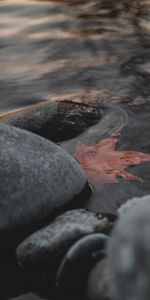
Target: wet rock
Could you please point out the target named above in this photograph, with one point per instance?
(74, 268)
(57, 121)
(97, 282)
(32, 118)
(38, 181)
(46, 247)
(42, 252)
(128, 253)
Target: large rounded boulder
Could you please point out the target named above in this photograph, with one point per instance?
(38, 180)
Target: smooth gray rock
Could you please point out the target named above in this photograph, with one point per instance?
(47, 247)
(38, 180)
(129, 253)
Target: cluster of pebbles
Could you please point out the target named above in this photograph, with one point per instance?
(50, 244)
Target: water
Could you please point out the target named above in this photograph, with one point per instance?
(50, 48)
(83, 50)
(132, 123)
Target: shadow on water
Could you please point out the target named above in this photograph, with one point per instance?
(84, 49)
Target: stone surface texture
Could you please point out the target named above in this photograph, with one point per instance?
(38, 181)
(48, 246)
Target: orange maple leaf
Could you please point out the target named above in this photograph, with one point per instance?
(102, 163)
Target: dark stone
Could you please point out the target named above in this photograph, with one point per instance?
(57, 121)
(38, 181)
(46, 247)
(42, 252)
(73, 271)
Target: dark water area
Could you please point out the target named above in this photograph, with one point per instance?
(83, 50)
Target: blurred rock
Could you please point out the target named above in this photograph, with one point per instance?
(129, 253)
(97, 288)
(132, 204)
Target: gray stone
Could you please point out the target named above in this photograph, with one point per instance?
(38, 180)
(48, 246)
(129, 253)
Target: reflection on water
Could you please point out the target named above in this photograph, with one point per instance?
(83, 49)
(51, 48)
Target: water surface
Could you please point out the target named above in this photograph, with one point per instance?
(50, 48)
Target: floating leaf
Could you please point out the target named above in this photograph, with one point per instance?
(102, 163)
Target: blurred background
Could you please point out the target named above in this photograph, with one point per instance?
(54, 48)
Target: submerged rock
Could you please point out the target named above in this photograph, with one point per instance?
(38, 181)
(57, 121)
(129, 253)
